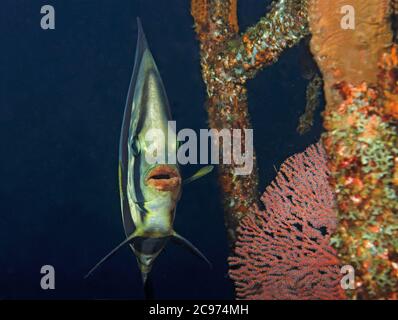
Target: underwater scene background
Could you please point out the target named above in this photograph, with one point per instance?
(62, 100)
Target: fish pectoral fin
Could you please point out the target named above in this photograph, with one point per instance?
(110, 254)
(182, 241)
(199, 174)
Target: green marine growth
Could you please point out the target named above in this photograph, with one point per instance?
(362, 144)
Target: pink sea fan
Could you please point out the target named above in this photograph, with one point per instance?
(284, 252)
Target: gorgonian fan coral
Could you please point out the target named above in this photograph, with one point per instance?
(283, 252)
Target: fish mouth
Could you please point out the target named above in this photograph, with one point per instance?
(164, 178)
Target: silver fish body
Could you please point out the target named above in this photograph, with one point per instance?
(149, 192)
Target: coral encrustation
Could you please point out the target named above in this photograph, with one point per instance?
(362, 143)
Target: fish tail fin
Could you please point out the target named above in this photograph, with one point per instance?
(148, 288)
(186, 243)
(110, 254)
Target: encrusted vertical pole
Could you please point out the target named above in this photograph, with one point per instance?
(228, 60)
(360, 68)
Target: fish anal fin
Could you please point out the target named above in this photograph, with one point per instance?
(110, 254)
(176, 238)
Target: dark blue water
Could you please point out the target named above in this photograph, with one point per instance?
(62, 99)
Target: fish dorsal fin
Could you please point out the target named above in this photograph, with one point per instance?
(186, 243)
(131, 110)
(199, 174)
(110, 254)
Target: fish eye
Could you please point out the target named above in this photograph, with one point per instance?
(135, 147)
